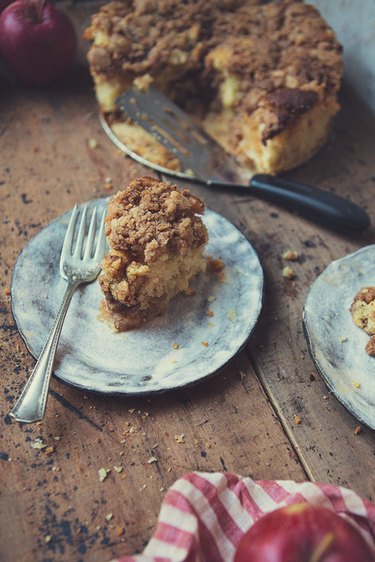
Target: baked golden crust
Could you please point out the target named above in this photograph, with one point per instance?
(254, 67)
(156, 241)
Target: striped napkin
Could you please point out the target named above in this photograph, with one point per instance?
(204, 515)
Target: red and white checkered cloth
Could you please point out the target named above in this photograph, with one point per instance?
(204, 515)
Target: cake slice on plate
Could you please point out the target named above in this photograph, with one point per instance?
(156, 239)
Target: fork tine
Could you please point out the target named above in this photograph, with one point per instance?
(68, 240)
(90, 236)
(100, 246)
(81, 234)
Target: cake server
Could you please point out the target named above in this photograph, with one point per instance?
(205, 161)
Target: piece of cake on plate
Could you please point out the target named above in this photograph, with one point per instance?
(262, 78)
(156, 239)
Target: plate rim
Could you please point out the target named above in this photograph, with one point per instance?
(141, 391)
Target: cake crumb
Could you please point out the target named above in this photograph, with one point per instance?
(108, 183)
(232, 315)
(38, 444)
(342, 339)
(120, 531)
(103, 473)
(297, 419)
(356, 384)
(180, 438)
(204, 343)
(175, 346)
(93, 144)
(288, 272)
(49, 450)
(211, 298)
(357, 430)
(290, 255)
(370, 347)
(6, 291)
(210, 313)
(215, 265)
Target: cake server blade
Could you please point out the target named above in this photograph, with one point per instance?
(207, 162)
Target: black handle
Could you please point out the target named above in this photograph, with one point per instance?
(312, 202)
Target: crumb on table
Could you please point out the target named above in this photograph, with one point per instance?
(290, 255)
(288, 272)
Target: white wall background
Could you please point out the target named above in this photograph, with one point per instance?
(354, 24)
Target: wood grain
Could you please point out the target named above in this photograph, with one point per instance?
(52, 504)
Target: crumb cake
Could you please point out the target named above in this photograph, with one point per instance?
(363, 314)
(261, 78)
(156, 239)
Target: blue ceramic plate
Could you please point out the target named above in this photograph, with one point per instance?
(93, 357)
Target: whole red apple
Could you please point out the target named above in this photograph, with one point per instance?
(37, 41)
(303, 533)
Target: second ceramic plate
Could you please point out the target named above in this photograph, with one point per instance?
(337, 346)
(181, 347)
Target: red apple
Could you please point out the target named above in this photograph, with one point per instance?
(303, 533)
(37, 41)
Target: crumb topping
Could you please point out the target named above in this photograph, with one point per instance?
(281, 55)
(150, 217)
(363, 310)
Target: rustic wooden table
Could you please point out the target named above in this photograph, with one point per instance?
(52, 505)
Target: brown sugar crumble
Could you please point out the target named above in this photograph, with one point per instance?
(156, 239)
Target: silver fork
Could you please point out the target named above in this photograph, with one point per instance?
(77, 266)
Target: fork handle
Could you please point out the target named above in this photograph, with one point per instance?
(315, 203)
(31, 405)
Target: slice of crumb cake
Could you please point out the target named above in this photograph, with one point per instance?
(156, 239)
